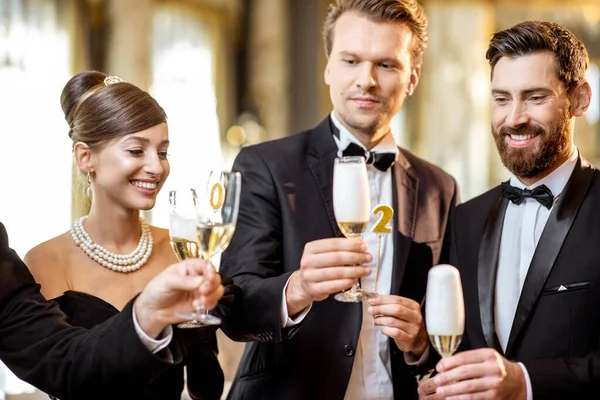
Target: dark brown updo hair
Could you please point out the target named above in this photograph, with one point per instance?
(97, 113)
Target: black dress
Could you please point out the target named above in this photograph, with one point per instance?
(205, 377)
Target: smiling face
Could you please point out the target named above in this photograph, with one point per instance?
(130, 170)
(369, 72)
(532, 118)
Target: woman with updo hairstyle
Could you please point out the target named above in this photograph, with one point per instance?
(120, 142)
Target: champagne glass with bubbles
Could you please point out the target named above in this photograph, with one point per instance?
(217, 208)
(202, 222)
(183, 220)
(352, 208)
(444, 309)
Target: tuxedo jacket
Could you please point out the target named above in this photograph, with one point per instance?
(556, 329)
(286, 201)
(40, 347)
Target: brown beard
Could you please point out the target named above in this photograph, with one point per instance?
(531, 161)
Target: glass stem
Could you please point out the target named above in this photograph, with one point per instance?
(357, 288)
(200, 309)
(377, 263)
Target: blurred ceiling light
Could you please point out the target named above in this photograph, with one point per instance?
(254, 131)
(236, 135)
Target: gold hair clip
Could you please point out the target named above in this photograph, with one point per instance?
(109, 80)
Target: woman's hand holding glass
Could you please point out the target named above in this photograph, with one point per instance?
(202, 223)
(192, 282)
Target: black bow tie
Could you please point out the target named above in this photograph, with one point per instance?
(381, 161)
(541, 193)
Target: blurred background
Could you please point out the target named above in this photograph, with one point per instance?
(231, 73)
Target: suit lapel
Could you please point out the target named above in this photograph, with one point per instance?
(405, 197)
(322, 153)
(487, 267)
(559, 223)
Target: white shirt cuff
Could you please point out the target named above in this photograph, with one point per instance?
(411, 360)
(154, 345)
(527, 382)
(285, 319)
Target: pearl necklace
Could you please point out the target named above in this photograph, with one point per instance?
(116, 262)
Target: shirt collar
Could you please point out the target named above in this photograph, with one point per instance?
(386, 145)
(556, 180)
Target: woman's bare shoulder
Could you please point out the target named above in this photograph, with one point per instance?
(160, 235)
(50, 250)
(162, 245)
(48, 262)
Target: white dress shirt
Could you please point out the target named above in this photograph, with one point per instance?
(154, 345)
(371, 377)
(521, 231)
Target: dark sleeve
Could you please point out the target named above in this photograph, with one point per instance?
(447, 242)
(448, 256)
(41, 348)
(205, 379)
(254, 259)
(455, 261)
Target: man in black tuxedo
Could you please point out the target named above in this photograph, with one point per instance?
(128, 350)
(288, 254)
(527, 249)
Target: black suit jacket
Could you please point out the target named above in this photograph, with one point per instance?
(286, 201)
(39, 346)
(555, 333)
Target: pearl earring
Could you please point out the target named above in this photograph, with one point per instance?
(88, 190)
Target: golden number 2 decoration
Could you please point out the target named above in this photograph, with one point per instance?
(219, 192)
(381, 228)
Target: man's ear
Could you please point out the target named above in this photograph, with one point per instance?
(415, 75)
(581, 98)
(326, 73)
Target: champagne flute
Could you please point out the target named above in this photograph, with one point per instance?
(217, 215)
(352, 208)
(444, 309)
(183, 220)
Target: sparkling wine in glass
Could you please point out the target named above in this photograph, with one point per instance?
(217, 215)
(352, 208)
(444, 309)
(183, 220)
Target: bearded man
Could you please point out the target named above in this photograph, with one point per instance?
(527, 250)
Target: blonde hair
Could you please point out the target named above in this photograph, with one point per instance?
(409, 12)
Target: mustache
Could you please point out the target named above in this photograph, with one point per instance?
(521, 130)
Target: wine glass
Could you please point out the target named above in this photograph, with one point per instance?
(444, 309)
(352, 208)
(183, 222)
(217, 209)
